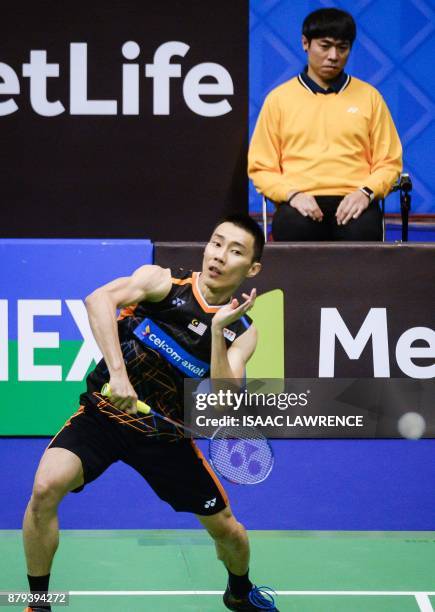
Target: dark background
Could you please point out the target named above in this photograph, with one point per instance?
(159, 177)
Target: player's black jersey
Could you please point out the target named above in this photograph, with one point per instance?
(164, 342)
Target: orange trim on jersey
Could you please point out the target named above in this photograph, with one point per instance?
(67, 423)
(127, 311)
(210, 471)
(181, 281)
(201, 301)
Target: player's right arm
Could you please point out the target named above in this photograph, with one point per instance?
(150, 283)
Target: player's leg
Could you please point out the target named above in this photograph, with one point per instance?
(59, 472)
(230, 538)
(232, 548)
(180, 475)
(78, 454)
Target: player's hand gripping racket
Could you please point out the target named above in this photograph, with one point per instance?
(143, 408)
(240, 455)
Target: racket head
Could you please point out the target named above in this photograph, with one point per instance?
(241, 455)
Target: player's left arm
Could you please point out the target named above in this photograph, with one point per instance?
(242, 350)
(230, 363)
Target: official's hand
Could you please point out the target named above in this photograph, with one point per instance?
(307, 206)
(351, 207)
(123, 396)
(233, 311)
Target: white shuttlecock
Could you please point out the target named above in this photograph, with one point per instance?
(411, 425)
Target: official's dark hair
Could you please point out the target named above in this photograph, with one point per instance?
(330, 22)
(249, 225)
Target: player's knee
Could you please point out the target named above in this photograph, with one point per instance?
(226, 527)
(46, 495)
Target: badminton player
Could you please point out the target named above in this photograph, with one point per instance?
(165, 315)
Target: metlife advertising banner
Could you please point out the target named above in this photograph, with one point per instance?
(123, 119)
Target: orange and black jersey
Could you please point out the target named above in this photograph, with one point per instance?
(178, 327)
(164, 342)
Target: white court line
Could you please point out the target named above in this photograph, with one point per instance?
(423, 602)
(421, 597)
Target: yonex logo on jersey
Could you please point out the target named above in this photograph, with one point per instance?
(210, 503)
(353, 109)
(229, 335)
(178, 302)
(154, 337)
(197, 327)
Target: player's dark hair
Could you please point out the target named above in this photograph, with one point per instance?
(330, 22)
(249, 225)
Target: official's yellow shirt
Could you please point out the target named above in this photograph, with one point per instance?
(324, 144)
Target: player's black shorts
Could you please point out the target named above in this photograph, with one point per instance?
(175, 469)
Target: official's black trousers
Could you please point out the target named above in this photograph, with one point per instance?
(289, 225)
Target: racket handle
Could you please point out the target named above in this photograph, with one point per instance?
(143, 408)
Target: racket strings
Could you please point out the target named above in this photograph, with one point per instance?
(243, 456)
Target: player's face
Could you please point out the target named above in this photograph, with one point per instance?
(327, 57)
(228, 257)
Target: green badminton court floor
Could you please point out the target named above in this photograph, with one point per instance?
(167, 571)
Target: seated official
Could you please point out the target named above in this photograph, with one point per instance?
(325, 147)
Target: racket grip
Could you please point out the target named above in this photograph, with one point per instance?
(143, 408)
